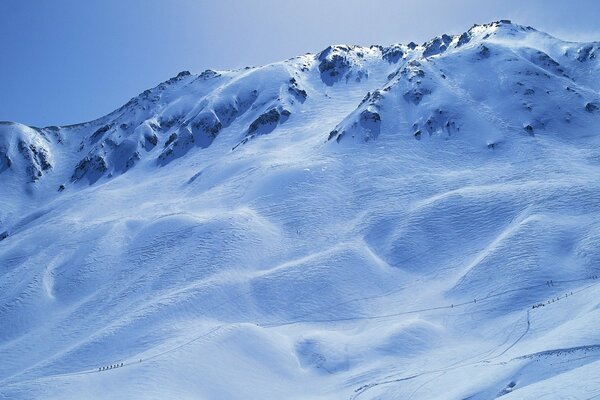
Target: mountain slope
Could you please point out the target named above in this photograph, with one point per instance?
(411, 221)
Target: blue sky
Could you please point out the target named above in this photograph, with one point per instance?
(69, 61)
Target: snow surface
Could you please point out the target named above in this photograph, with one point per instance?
(363, 223)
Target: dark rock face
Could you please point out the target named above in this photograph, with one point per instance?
(413, 74)
(392, 54)
(372, 98)
(371, 122)
(99, 133)
(437, 45)
(438, 122)
(463, 39)
(546, 62)
(331, 69)
(178, 145)
(91, 167)
(592, 106)
(207, 122)
(150, 140)
(587, 53)
(415, 95)
(203, 128)
(3, 235)
(266, 122)
(333, 64)
(209, 74)
(366, 126)
(171, 139)
(294, 90)
(483, 51)
(332, 134)
(37, 159)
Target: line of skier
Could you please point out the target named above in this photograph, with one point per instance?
(549, 283)
(113, 366)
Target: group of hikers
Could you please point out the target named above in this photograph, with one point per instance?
(113, 366)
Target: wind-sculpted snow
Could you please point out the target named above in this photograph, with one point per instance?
(207, 240)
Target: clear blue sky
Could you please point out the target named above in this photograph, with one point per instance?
(68, 61)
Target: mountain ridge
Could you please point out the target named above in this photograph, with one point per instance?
(363, 222)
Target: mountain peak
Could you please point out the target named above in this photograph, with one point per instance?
(405, 221)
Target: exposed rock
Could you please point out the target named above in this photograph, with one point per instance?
(587, 53)
(546, 62)
(415, 95)
(99, 133)
(483, 51)
(37, 159)
(171, 139)
(591, 107)
(371, 122)
(132, 160)
(151, 140)
(294, 90)
(436, 46)
(333, 64)
(267, 121)
(463, 39)
(392, 54)
(92, 167)
(209, 74)
(208, 122)
(180, 144)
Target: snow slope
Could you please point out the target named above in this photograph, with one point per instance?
(402, 222)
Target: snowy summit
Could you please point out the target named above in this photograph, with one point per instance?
(414, 221)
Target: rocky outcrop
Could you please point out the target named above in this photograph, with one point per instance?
(91, 167)
(24, 150)
(436, 46)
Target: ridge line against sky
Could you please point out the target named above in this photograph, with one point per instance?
(69, 61)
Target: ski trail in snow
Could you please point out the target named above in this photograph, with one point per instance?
(362, 389)
(358, 391)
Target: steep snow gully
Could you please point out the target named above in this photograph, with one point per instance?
(401, 222)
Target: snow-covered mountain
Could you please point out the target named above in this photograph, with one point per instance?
(410, 222)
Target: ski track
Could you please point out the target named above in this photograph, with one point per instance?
(361, 390)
